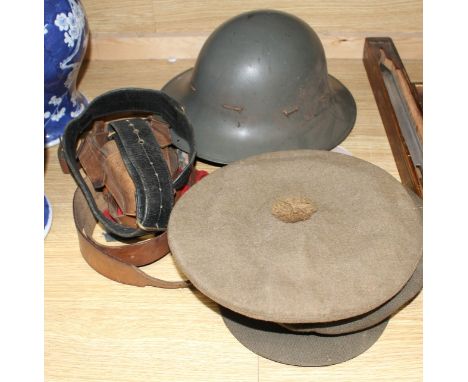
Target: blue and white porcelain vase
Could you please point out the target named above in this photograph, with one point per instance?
(65, 40)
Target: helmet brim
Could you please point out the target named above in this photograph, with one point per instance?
(224, 135)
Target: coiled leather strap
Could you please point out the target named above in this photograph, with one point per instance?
(124, 102)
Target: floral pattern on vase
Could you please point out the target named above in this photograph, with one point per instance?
(65, 41)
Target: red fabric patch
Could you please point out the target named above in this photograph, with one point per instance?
(107, 214)
(199, 175)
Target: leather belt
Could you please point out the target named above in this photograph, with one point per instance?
(156, 178)
(124, 102)
(119, 263)
(145, 163)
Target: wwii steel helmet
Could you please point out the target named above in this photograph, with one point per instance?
(261, 84)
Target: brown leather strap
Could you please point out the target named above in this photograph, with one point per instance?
(135, 251)
(118, 263)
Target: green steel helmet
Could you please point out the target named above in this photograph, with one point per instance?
(261, 84)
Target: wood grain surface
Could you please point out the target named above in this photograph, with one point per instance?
(156, 46)
(192, 16)
(99, 330)
(158, 29)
